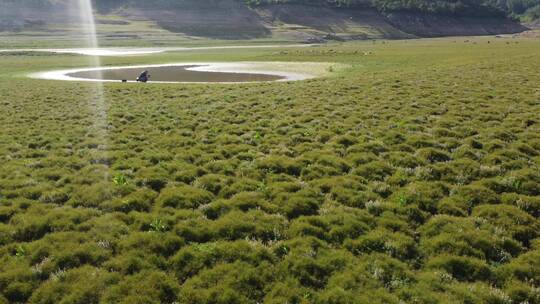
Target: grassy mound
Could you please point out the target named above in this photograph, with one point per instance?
(411, 176)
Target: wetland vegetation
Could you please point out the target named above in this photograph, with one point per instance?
(412, 176)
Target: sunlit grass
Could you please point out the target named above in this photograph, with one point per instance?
(410, 175)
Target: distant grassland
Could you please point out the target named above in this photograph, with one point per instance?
(412, 176)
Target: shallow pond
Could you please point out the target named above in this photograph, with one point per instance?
(188, 73)
(196, 72)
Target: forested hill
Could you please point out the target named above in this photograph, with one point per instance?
(289, 20)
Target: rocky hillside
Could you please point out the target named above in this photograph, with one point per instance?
(232, 19)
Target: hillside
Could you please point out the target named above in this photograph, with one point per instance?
(313, 21)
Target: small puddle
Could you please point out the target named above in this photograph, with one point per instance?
(174, 74)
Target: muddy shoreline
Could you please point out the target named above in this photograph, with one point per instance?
(175, 74)
(217, 72)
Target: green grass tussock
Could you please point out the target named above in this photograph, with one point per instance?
(410, 176)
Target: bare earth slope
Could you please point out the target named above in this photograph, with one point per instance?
(436, 26)
(230, 19)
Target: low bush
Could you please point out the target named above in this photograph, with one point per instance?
(280, 164)
(154, 178)
(525, 268)
(192, 259)
(212, 182)
(529, 204)
(433, 155)
(228, 283)
(395, 244)
(377, 170)
(404, 160)
(519, 224)
(243, 201)
(82, 285)
(425, 195)
(161, 244)
(373, 272)
(183, 197)
(93, 196)
(144, 287)
(140, 200)
(254, 224)
(462, 268)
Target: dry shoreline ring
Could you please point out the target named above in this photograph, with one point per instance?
(285, 71)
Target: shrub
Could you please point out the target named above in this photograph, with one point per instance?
(240, 185)
(93, 196)
(337, 295)
(212, 182)
(316, 171)
(529, 204)
(520, 225)
(453, 206)
(17, 280)
(525, 267)
(236, 282)
(59, 196)
(404, 160)
(461, 236)
(465, 152)
(162, 244)
(299, 205)
(313, 266)
(360, 158)
(303, 202)
(18, 291)
(144, 287)
(243, 201)
(287, 291)
(395, 244)
(377, 170)
(346, 140)
(154, 178)
(130, 263)
(425, 195)
(474, 195)
(38, 221)
(6, 212)
(192, 259)
(372, 272)
(328, 184)
(279, 164)
(433, 155)
(140, 200)
(183, 197)
(5, 237)
(254, 224)
(520, 292)
(370, 147)
(82, 285)
(187, 173)
(462, 268)
(334, 227)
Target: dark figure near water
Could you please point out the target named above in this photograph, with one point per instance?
(144, 77)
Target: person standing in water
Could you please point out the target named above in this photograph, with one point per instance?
(144, 77)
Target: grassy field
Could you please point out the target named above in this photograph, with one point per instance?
(412, 176)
